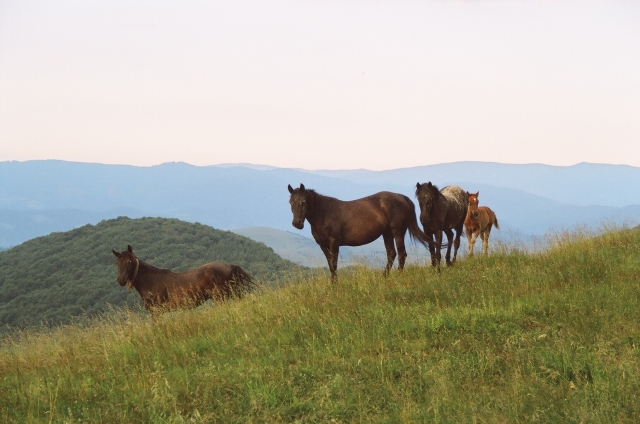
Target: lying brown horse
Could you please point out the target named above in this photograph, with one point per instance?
(479, 220)
(162, 289)
(442, 211)
(336, 223)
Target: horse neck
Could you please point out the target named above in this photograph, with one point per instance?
(145, 275)
(469, 216)
(316, 206)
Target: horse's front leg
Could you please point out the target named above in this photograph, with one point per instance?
(432, 248)
(485, 241)
(331, 252)
(153, 309)
(471, 239)
(447, 257)
(456, 243)
(438, 246)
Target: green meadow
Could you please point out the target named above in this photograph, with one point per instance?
(518, 336)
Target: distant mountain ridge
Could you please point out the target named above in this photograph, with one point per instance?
(583, 184)
(528, 199)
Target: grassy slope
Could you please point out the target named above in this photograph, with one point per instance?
(550, 337)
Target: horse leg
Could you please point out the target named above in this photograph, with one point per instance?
(438, 245)
(331, 253)
(456, 242)
(402, 251)
(449, 234)
(151, 307)
(471, 239)
(391, 251)
(432, 248)
(469, 234)
(485, 239)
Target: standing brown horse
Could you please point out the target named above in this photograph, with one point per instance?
(162, 289)
(479, 220)
(442, 210)
(336, 223)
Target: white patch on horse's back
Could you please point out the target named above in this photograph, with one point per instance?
(455, 194)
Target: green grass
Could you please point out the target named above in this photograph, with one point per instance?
(552, 336)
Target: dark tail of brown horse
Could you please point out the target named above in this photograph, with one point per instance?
(417, 234)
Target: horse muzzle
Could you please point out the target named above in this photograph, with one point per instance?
(475, 214)
(298, 223)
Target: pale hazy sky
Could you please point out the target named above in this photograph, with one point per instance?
(377, 84)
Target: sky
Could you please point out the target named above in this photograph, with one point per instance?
(326, 84)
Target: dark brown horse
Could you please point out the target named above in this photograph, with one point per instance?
(442, 210)
(336, 223)
(162, 289)
(479, 221)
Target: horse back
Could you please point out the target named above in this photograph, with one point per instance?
(488, 216)
(454, 207)
(361, 221)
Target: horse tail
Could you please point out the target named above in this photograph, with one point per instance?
(493, 219)
(241, 281)
(415, 233)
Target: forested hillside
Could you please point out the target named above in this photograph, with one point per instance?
(65, 275)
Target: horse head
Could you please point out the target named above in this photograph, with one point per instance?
(427, 195)
(473, 204)
(298, 202)
(128, 265)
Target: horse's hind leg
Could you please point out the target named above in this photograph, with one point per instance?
(391, 252)
(402, 251)
(447, 257)
(485, 239)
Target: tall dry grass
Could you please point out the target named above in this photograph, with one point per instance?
(544, 336)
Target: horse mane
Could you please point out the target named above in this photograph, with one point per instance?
(314, 196)
(431, 187)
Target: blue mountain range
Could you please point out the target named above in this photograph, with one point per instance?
(40, 197)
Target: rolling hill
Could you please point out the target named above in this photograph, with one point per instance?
(58, 277)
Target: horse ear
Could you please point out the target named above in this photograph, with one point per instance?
(429, 184)
(478, 193)
(129, 249)
(301, 187)
(290, 189)
(418, 185)
(115, 253)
